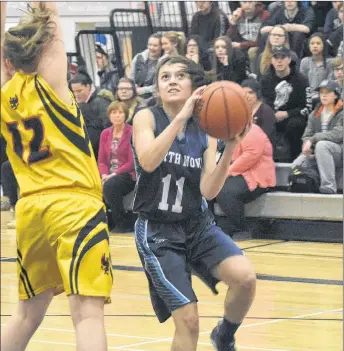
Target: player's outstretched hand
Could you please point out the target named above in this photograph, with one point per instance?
(188, 109)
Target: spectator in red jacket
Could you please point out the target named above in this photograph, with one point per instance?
(116, 163)
(251, 174)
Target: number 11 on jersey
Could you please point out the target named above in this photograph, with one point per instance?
(163, 204)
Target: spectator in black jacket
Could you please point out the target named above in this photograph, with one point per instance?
(287, 92)
(108, 75)
(332, 21)
(299, 22)
(93, 103)
(196, 50)
(335, 39)
(209, 22)
(262, 114)
(229, 63)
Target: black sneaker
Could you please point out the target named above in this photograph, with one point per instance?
(219, 344)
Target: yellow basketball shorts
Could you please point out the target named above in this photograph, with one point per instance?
(63, 243)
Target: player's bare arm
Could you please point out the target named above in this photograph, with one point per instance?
(53, 63)
(214, 176)
(150, 150)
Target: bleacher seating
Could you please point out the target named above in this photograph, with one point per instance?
(292, 216)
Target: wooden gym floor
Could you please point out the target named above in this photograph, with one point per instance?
(298, 306)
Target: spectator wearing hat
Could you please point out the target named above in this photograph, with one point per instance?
(323, 137)
(287, 91)
(107, 74)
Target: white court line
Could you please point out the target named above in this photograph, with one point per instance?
(71, 344)
(108, 334)
(246, 347)
(206, 303)
(244, 326)
(257, 253)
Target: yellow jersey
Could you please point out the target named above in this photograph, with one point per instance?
(47, 143)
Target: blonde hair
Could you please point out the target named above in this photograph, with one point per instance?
(266, 55)
(177, 39)
(24, 43)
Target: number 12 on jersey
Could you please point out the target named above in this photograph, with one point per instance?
(163, 204)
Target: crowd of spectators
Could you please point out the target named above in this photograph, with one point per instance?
(288, 56)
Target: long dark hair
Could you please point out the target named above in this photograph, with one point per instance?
(204, 59)
(325, 45)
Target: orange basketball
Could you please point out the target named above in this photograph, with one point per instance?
(223, 110)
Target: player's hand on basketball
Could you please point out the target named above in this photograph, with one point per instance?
(188, 109)
(238, 138)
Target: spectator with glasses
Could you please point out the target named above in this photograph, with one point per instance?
(126, 93)
(297, 20)
(278, 36)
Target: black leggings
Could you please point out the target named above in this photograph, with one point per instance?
(232, 199)
(114, 191)
(9, 183)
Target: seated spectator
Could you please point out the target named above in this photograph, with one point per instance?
(317, 67)
(116, 164)
(108, 75)
(244, 27)
(298, 21)
(196, 50)
(323, 137)
(320, 9)
(126, 92)
(335, 39)
(251, 174)
(332, 21)
(172, 43)
(262, 114)
(228, 63)
(278, 36)
(143, 67)
(93, 103)
(10, 189)
(338, 69)
(210, 22)
(287, 92)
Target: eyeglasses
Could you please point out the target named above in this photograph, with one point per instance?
(277, 35)
(340, 68)
(125, 89)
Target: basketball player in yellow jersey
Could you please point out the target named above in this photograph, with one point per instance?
(62, 235)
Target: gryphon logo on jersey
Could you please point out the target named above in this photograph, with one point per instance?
(14, 101)
(105, 264)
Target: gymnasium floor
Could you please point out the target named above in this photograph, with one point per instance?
(298, 306)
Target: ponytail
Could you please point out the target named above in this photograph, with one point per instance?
(24, 43)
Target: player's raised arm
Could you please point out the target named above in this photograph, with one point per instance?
(52, 64)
